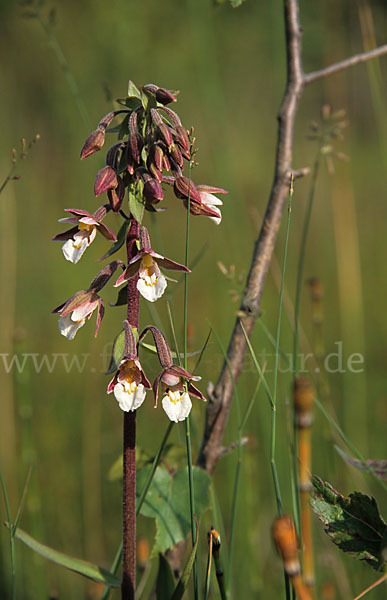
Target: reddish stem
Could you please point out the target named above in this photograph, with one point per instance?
(128, 585)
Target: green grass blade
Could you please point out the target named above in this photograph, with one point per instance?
(11, 538)
(258, 368)
(83, 567)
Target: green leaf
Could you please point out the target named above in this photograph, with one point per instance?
(133, 91)
(183, 582)
(136, 202)
(354, 524)
(121, 235)
(124, 127)
(165, 583)
(122, 297)
(118, 353)
(379, 467)
(148, 100)
(236, 3)
(82, 567)
(167, 502)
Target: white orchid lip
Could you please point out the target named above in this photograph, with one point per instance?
(128, 390)
(151, 283)
(74, 248)
(68, 327)
(177, 405)
(129, 395)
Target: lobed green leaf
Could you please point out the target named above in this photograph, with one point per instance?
(354, 524)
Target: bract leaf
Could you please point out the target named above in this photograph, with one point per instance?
(117, 353)
(121, 235)
(136, 203)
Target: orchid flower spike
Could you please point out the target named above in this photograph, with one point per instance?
(74, 312)
(78, 238)
(129, 383)
(151, 283)
(176, 393)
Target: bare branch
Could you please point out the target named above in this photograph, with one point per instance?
(220, 399)
(220, 395)
(344, 64)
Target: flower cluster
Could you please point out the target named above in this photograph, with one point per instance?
(148, 156)
(157, 144)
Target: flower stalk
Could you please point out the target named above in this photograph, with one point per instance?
(128, 585)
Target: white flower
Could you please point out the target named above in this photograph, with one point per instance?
(213, 202)
(70, 322)
(69, 327)
(177, 405)
(151, 283)
(129, 394)
(74, 248)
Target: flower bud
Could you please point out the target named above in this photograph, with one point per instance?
(165, 96)
(153, 192)
(94, 142)
(105, 180)
(177, 155)
(183, 140)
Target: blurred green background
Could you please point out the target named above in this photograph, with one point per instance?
(229, 65)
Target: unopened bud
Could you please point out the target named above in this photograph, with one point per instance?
(165, 134)
(105, 180)
(153, 192)
(165, 96)
(94, 142)
(177, 155)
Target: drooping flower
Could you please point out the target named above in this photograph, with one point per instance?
(129, 383)
(201, 197)
(78, 238)
(151, 283)
(208, 199)
(176, 382)
(74, 312)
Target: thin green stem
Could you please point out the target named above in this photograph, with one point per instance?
(173, 330)
(297, 307)
(276, 362)
(238, 465)
(187, 421)
(301, 261)
(7, 179)
(258, 368)
(11, 538)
